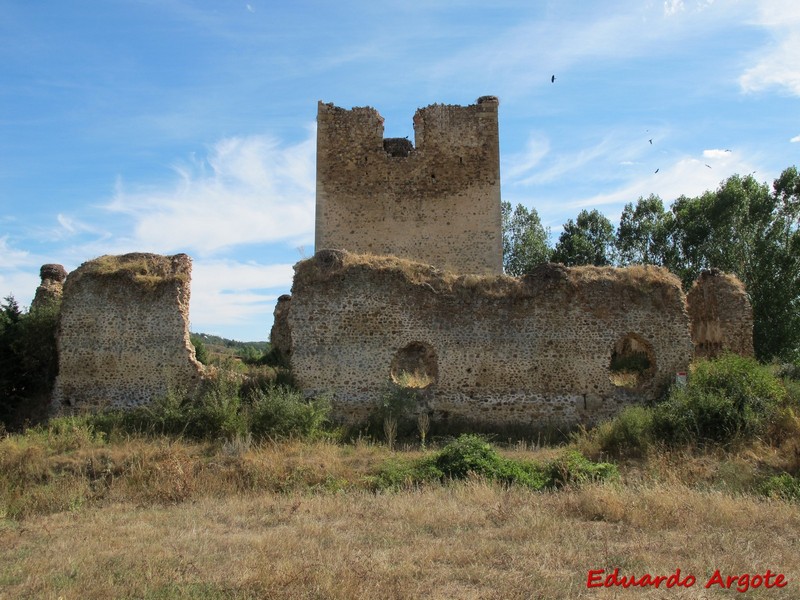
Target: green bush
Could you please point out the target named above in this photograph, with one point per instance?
(398, 403)
(28, 362)
(729, 398)
(628, 434)
(574, 468)
(200, 350)
(782, 486)
(282, 412)
(471, 454)
(220, 413)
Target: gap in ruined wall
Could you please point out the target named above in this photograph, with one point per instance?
(398, 147)
(415, 366)
(632, 362)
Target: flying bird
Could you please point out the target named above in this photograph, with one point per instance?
(708, 165)
(553, 79)
(657, 170)
(651, 141)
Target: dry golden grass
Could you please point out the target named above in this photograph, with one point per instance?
(468, 540)
(146, 269)
(647, 280)
(161, 519)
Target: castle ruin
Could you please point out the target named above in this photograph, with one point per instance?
(406, 287)
(406, 290)
(123, 336)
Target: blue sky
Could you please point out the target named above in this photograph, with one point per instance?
(188, 125)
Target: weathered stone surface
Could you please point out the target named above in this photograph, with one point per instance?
(496, 349)
(281, 336)
(437, 203)
(721, 315)
(124, 332)
(50, 290)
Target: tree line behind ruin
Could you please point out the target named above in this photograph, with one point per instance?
(743, 227)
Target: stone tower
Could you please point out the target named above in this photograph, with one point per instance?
(436, 201)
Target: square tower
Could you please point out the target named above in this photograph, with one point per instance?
(436, 201)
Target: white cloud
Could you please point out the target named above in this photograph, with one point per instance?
(19, 273)
(777, 64)
(716, 153)
(248, 190)
(227, 292)
(673, 6)
(11, 258)
(687, 176)
(795, 139)
(516, 165)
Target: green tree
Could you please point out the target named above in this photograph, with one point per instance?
(745, 229)
(525, 240)
(643, 236)
(28, 361)
(589, 240)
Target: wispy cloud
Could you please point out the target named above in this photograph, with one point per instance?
(687, 176)
(777, 64)
(673, 6)
(248, 190)
(18, 272)
(516, 165)
(226, 292)
(795, 139)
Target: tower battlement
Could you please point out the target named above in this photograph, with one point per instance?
(436, 200)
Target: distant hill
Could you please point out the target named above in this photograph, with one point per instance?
(221, 347)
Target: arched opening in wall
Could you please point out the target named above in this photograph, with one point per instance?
(415, 366)
(632, 362)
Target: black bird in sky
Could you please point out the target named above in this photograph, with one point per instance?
(553, 79)
(651, 141)
(709, 166)
(657, 170)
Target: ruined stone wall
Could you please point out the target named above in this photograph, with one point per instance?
(124, 332)
(721, 315)
(498, 349)
(437, 202)
(50, 290)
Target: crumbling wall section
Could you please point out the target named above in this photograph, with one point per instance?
(426, 201)
(51, 288)
(281, 335)
(497, 349)
(721, 315)
(124, 332)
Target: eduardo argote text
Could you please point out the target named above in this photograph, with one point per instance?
(600, 578)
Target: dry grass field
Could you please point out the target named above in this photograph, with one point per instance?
(155, 518)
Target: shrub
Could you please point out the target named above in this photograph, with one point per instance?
(574, 468)
(397, 404)
(200, 350)
(628, 434)
(28, 362)
(282, 412)
(471, 454)
(729, 398)
(782, 486)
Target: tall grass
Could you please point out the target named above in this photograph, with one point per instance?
(224, 410)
